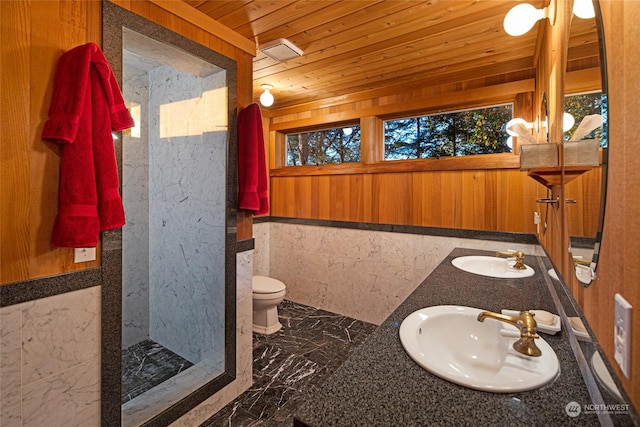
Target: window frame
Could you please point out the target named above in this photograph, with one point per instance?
(372, 142)
(445, 112)
(329, 126)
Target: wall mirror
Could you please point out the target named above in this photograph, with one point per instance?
(175, 287)
(588, 191)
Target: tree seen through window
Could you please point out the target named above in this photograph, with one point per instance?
(321, 147)
(462, 133)
(585, 104)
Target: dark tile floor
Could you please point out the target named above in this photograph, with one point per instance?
(291, 363)
(147, 364)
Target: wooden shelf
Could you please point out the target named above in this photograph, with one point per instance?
(552, 176)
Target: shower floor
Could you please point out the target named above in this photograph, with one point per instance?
(147, 364)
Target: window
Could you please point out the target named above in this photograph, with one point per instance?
(326, 146)
(585, 104)
(461, 133)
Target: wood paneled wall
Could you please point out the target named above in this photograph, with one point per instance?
(33, 35)
(619, 268)
(465, 199)
(466, 193)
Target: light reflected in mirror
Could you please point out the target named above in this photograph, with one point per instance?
(586, 101)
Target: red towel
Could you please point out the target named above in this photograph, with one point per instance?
(86, 106)
(252, 166)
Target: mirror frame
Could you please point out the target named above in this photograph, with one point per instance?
(114, 18)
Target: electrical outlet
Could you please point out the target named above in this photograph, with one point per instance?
(622, 334)
(84, 255)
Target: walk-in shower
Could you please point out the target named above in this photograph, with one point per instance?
(177, 256)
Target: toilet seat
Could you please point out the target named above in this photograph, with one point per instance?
(267, 285)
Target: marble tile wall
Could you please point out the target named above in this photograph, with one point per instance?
(357, 273)
(174, 181)
(135, 196)
(261, 249)
(244, 355)
(50, 361)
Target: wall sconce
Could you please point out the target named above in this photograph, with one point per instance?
(583, 9)
(520, 127)
(521, 18)
(266, 98)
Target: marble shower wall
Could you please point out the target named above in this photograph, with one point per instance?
(187, 175)
(50, 361)
(244, 345)
(135, 195)
(358, 273)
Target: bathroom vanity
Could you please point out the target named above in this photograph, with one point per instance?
(380, 385)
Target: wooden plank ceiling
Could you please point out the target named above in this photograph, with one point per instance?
(352, 46)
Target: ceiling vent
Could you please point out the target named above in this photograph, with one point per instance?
(281, 50)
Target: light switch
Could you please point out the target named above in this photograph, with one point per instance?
(84, 254)
(622, 334)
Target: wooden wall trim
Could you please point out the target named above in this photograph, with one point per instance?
(372, 140)
(208, 24)
(426, 100)
(477, 162)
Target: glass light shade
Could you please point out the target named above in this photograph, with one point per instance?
(567, 122)
(508, 127)
(266, 98)
(521, 18)
(347, 131)
(583, 9)
(509, 142)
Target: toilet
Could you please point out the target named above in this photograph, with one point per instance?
(267, 294)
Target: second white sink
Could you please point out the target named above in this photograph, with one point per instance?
(450, 342)
(491, 267)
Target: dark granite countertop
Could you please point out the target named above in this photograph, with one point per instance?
(380, 385)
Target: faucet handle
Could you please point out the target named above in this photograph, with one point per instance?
(528, 333)
(519, 256)
(529, 326)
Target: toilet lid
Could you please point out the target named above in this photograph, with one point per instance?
(267, 285)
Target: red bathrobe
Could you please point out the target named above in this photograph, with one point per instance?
(252, 168)
(86, 106)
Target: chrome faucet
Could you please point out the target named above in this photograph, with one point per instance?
(519, 255)
(526, 323)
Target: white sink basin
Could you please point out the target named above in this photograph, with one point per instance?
(450, 342)
(492, 267)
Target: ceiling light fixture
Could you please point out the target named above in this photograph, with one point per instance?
(521, 18)
(266, 98)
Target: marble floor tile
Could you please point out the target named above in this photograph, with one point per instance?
(147, 364)
(291, 363)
